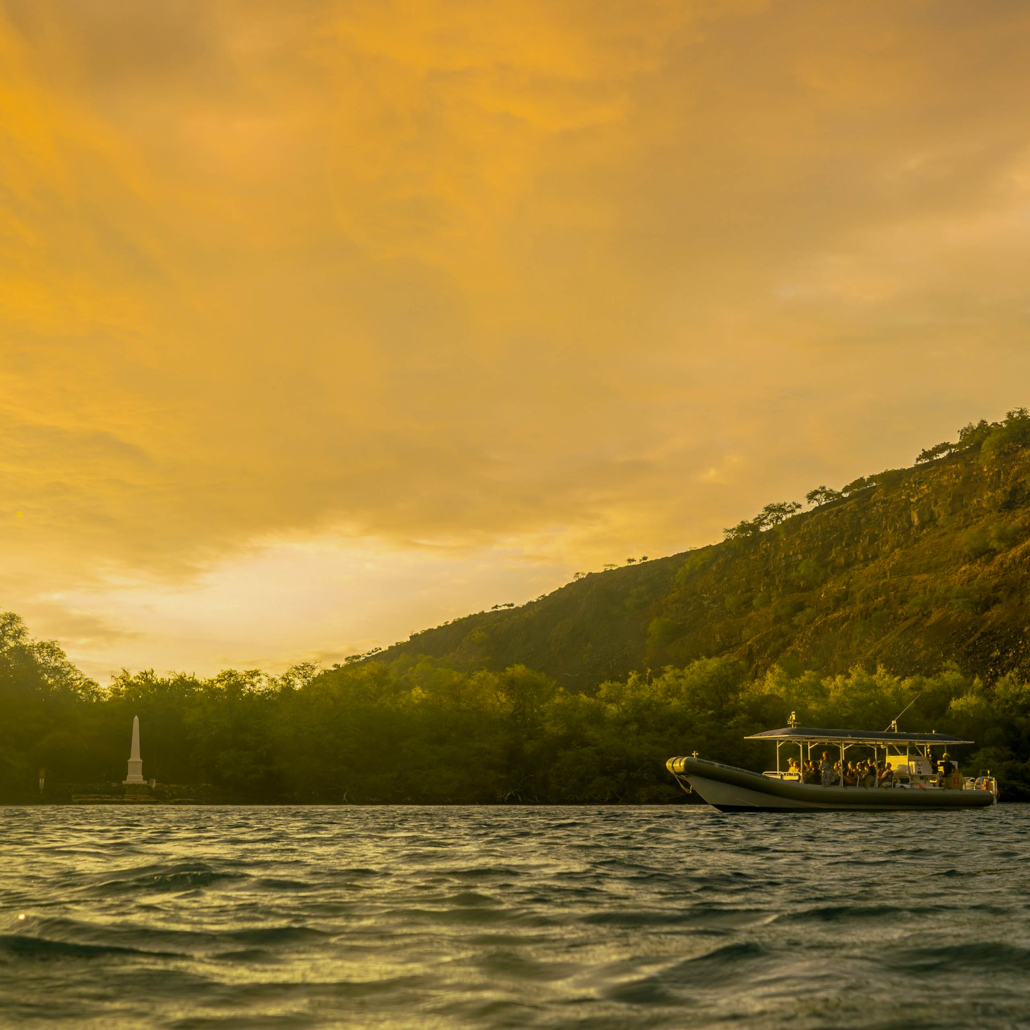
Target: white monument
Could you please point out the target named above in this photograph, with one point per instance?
(135, 762)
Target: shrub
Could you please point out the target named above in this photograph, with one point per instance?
(971, 597)
(807, 574)
(1009, 435)
(975, 544)
(693, 564)
(974, 434)
(662, 631)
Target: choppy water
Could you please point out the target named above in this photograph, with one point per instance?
(513, 917)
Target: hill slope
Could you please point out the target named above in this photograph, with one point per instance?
(912, 569)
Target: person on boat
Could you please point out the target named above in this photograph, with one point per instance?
(826, 771)
(851, 775)
(811, 774)
(945, 768)
(885, 775)
(792, 768)
(867, 775)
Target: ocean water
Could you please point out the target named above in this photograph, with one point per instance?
(513, 917)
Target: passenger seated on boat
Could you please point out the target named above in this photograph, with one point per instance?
(792, 768)
(810, 773)
(851, 775)
(867, 778)
(885, 775)
(826, 771)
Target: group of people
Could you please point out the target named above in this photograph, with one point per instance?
(864, 773)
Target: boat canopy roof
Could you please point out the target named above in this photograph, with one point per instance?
(811, 734)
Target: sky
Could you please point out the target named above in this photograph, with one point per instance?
(322, 323)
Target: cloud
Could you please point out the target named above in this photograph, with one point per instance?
(75, 629)
(573, 279)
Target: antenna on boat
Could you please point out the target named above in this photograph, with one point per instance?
(893, 727)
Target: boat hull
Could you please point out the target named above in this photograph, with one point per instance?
(730, 789)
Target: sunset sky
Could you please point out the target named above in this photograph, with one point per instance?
(321, 323)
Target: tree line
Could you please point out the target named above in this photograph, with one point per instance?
(420, 731)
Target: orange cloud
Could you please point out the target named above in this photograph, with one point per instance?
(564, 279)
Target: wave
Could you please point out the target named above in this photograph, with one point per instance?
(699, 916)
(846, 913)
(479, 873)
(271, 883)
(981, 957)
(892, 913)
(176, 877)
(713, 971)
(23, 946)
(276, 935)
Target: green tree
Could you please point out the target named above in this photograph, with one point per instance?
(938, 450)
(773, 514)
(823, 495)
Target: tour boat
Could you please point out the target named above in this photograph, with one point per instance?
(915, 781)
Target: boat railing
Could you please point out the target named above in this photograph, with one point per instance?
(904, 780)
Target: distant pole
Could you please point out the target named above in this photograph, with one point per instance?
(42, 778)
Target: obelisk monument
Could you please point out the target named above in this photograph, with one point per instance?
(135, 762)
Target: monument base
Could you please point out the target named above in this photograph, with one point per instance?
(134, 773)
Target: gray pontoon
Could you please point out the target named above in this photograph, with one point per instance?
(912, 779)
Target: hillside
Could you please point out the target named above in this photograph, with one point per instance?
(911, 569)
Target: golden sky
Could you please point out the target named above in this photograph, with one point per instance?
(325, 322)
